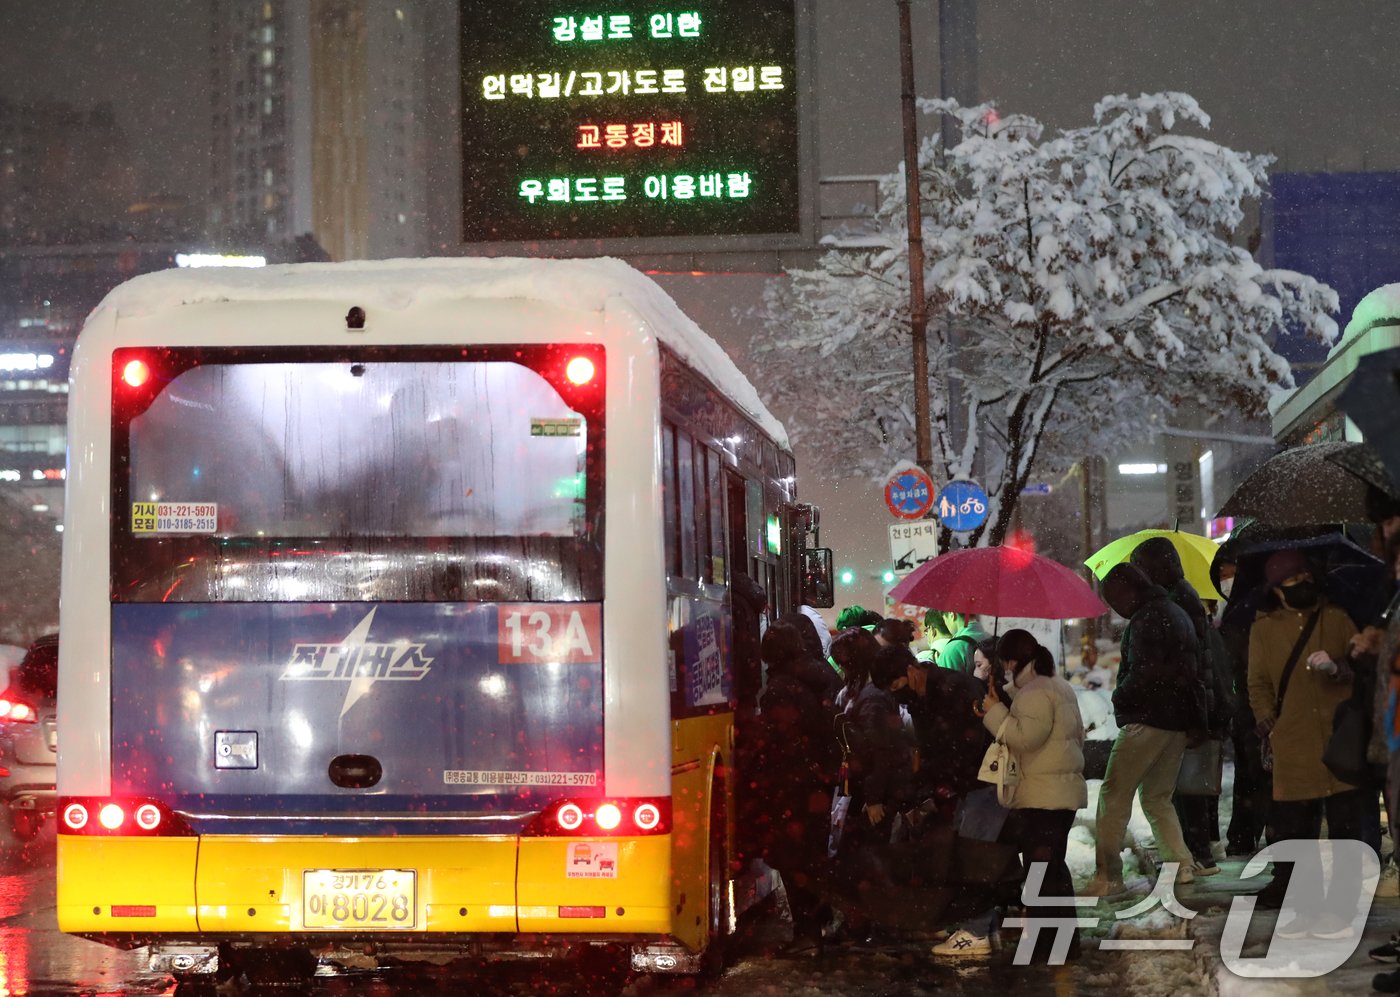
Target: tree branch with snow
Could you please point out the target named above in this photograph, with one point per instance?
(1076, 282)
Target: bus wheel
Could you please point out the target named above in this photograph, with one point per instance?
(717, 946)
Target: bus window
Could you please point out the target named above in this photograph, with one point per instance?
(453, 480)
(714, 489)
(685, 471)
(704, 568)
(670, 496)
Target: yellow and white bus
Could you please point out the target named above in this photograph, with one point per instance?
(396, 616)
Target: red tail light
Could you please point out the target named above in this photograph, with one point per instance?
(17, 711)
(119, 817)
(603, 818)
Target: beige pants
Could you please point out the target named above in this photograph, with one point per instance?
(1144, 760)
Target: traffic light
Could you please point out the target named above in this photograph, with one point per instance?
(847, 577)
(887, 577)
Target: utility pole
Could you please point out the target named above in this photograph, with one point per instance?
(918, 303)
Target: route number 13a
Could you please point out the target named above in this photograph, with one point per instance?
(539, 633)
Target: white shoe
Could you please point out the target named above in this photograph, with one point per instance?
(1299, 927)
(1332, 928)
(1389, 885)
(963, 944)
(1217, 851)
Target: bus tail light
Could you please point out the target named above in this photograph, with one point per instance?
(119, 817)
(603, 818)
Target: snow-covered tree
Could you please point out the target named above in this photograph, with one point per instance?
(1079, 286)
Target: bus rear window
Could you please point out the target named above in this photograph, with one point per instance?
(389, 461)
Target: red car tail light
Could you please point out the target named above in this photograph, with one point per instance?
(118, 817)
(603, 818)
(17, 711)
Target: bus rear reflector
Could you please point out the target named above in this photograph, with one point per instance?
(603, 818)
(133, 911)
(583, 912)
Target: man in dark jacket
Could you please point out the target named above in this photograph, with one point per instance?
(1199, 815)
(950, 737)
(1158, 699)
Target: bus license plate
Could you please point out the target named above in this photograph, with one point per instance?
(385, 899)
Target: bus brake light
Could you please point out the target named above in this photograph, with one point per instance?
(124, 817)
(603, 818)
(136, 373)
(608, 816)
(580, 371)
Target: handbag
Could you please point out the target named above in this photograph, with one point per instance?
(1000, 767)
(1266, 744)
(1202, 769)
(1345, 754)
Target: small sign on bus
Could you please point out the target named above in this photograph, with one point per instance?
(174, 517)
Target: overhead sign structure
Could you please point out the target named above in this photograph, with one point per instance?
(596, 119)
(909, 492)
(911, 544)
(962, 506)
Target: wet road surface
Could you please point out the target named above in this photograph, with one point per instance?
(36, 960)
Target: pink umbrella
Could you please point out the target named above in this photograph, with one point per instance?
(999, 581)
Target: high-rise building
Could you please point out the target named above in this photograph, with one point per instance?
(317, 124)
(66, 174)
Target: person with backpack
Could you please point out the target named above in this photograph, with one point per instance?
(793, 761)
(957, 651)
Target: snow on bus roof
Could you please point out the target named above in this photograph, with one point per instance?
(585, 284)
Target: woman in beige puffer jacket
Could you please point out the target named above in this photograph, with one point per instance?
(1044, 731)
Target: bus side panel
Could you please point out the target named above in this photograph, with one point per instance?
(254, 884)
(696, 743)
(152, 878)
(626, 880)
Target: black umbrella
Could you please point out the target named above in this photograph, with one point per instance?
(1372, 400)
(1350, 576)
(1303, 486)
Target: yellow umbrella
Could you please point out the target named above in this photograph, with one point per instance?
(1197, 554)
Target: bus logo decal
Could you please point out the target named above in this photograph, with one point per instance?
(359, 661)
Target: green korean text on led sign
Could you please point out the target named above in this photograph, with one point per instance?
(617, 120)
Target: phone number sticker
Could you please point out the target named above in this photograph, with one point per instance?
(466, 777)
(174, 517)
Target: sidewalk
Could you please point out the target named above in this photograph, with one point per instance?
(1201, 970)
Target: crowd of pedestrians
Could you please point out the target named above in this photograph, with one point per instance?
(870, 775)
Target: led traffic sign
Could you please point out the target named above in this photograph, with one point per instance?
(591, 119)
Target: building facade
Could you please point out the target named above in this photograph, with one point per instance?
(317, 123)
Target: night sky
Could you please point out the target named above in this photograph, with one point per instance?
(148, 58)
(1306, 80)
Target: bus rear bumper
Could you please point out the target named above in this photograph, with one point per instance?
(221, 888)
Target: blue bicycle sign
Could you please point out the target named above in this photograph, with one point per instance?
(962, 506)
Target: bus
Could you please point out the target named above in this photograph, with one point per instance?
(396, 617)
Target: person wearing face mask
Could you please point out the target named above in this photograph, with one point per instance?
(1043, 729)
(1297, 679)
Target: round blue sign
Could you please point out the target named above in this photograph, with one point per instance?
(962, 506)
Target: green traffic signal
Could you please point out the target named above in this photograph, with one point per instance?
(888, 577)
(847, 576)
